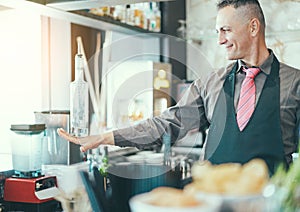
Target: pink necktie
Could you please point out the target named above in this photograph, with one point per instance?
(246, 103)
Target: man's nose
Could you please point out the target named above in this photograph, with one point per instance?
(221, 38)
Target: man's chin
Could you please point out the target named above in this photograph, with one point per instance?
(231, 57)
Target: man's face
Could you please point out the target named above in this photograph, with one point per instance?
(233, 33)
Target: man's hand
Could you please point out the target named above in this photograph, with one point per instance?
(88, 142)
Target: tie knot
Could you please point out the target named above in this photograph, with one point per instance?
(251, 72)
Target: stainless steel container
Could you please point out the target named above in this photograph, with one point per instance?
(56, 150)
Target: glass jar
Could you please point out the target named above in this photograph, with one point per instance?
(27, 147)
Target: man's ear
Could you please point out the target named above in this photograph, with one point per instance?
(254, 26)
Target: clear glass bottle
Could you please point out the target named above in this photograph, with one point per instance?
(152, 20)
(79, 101)
(157, 15)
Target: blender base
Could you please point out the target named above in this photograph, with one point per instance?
(50, 206)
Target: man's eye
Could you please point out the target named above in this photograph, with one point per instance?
(222, 30)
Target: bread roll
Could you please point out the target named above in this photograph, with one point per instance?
(171, 197)
(229, 178)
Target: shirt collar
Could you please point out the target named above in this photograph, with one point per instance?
(265, 67)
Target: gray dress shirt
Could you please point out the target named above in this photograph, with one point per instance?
(195, 109)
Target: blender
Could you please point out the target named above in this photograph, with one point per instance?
(28, 189)
(26, 149)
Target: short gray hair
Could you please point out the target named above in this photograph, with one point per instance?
(252, 7)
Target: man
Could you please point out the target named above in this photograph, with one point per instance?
(253, 115)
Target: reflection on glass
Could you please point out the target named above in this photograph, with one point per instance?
(161, 80)
(181, 30)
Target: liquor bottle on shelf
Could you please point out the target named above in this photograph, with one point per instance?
(79, 102)
(143, 15)
(157, 15)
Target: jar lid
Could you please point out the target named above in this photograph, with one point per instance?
(54, 112)
(28, 127)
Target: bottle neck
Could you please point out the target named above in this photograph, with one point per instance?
(79, 66)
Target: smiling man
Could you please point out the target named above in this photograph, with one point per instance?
(251, 107)
(261, 95)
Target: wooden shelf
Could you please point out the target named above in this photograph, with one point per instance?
(111, 21)
(71, 5)
(77, 17)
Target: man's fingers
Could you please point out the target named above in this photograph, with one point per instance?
(82, 149)
(84, 146)
(61, 132)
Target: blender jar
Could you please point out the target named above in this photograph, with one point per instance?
(26, 149)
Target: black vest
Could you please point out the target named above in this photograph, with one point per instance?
(261, 138)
